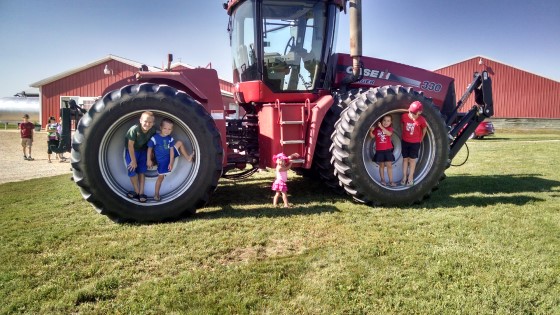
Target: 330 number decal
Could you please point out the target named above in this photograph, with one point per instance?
(431, 86)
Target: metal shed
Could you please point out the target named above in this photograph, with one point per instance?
(517, 93)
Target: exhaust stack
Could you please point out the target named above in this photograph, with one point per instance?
(356, 36)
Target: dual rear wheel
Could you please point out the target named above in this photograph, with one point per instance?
(352, 150)
(98, 154)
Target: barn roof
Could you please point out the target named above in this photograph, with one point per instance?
(104, 60)
(497, 61)
(89, 65)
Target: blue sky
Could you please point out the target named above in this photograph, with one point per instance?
(41, 38)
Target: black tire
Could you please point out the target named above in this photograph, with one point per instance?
(322, 168)
(322, 157)
(98, 154)
(353, 149)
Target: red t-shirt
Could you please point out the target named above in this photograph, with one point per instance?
(382, 141)
(412, 129)
(26, 130)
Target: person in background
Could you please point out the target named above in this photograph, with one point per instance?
(52, 136)
(414, 128)
(59, 134)
(26, 129)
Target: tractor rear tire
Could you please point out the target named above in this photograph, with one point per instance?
(98, 148)
(353, 149)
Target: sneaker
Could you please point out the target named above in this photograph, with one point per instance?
(25, 157)
(29, 158)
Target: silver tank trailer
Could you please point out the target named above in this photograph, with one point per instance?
(12, 109)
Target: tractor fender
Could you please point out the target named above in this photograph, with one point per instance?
(177, 80)
(174, 79)
(318, 112)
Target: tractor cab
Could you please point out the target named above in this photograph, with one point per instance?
(280, 47)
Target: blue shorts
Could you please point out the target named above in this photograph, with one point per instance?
(163, 164)
(410, 150)
(141, 166)
(384, 156)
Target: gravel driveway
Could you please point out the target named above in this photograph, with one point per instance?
(15, 168)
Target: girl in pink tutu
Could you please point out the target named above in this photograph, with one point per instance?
(283, 164)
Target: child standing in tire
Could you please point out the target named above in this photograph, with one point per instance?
(384, 148)
(165, 149)
(283, 164)
(414, 129)
(137, 138)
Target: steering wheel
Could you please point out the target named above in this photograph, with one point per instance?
(290, 44)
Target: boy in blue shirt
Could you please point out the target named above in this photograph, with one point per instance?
(165, 149)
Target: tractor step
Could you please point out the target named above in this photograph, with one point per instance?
(296, 122)
(298, 161)
(292, 141)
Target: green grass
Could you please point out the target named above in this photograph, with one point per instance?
(487, 241)
(9, 126)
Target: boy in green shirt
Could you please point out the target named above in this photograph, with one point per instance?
(137, 138)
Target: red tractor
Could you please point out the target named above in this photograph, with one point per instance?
(295, 95)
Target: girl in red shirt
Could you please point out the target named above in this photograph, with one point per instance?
(413, 131)
(384, 148)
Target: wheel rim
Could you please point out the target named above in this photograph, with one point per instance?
(424, 163)
(113, 166)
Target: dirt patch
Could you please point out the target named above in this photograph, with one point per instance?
(273, 248)
(15, 168)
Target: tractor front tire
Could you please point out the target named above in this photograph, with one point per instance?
(353, 148)
(98, 147)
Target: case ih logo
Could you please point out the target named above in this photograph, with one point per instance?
(372, 73)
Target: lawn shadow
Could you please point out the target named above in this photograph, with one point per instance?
(457, 190)
(263, 211)
(491, 138)
(253, 198)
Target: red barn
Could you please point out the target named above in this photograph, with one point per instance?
(517, 93)
(86, 83)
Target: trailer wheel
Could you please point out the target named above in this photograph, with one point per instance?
(353, 149)
(98, 154)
